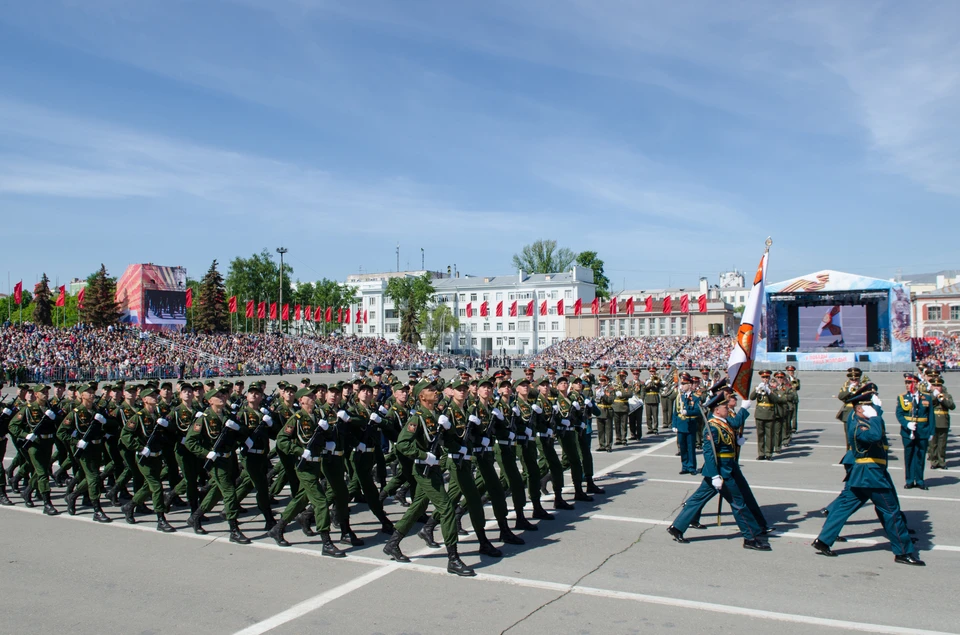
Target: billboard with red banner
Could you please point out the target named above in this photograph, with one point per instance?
(153, 296)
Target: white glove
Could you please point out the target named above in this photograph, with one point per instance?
(375, 418)
(264, 411)
(746, 404)
(589, 402)
(675, 430)
(211, 455)
(81, 444)
(99, 417)
(234, 406)
(876, 401)
(431, 459)
(323, 425)
(516, 410)
(267, 419)
(383, 410)
(163, 423)
(444, 422)
(537, 409)
(556, 407)
(497, 413)
(145, 452)
(330, 445)
(565, 422)
(741, 440)
(198, 415)
(528, 432)
(31, 437)
(485, 442)
(248, 443)
(361, 447)
(474, 419)
(233, 425)
(7, 411)
(549, 432)
(462, 450)
(619, 393)
(342, 415)
(511, 436)
(50, 414)
(576, 405)
(108, 436)
(911, 426)
(717, 482)
(73, 434)
(307, 455)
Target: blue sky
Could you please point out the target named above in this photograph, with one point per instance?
(672, 138)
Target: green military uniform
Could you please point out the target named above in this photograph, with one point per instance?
(784, 393)
(651, 401)
(942, 405)
(668, 398)
(364, 426)
(583, 407)
(255, 449)
(795, 383)
(337, 437)
(508, 438)
(86, 438)
(283, 473)
(529, 453)
(144, 436)
(181, 420)
(605, 397)
(620, 408)
(549, 461)
(35, 425)
(766, 401)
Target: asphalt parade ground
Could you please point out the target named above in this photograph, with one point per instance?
(607, 567)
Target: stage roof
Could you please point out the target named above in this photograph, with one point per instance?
(828, 280)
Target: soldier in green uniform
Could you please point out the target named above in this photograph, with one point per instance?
(86, 423)
(582, 400)
(795, 384)
(144, 435)
(398, 411)
(283, 473)
(213, 439)
(34, 426)
(635, 416)
(765, 399)
(942, 405)
(337, 437)
(181, 419)
(6, 414)
(304, 435)
(529, 453)
(126, 410)
(62, 455)
(783, 391)
(605, 397)
(620, 407)
(423, 442)
(364, 426)
(546, 433)
(668, 398)
(651, 400)
(509, 437)
(568, 411)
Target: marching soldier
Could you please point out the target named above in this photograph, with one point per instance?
(86, 423)
(525, 409)
(568, 410)
(686, 415)
(549, 462)
(635, 418)
(942, 405)
(182, 419)
(651, 400)
(668, 398)
(915, 412)
(605, 397)
(34, 426)
(620, 408)
(583, 397)
(365, 421)
(766, 400)
(795, 383)
(145, 436)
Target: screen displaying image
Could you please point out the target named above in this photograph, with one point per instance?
(833, 327)
(165, 307)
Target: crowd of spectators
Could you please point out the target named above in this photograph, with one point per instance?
(660, 351)
(943, 352)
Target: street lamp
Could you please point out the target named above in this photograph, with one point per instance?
(281, 251)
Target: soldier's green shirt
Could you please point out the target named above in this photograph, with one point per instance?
(415, 439)
(206, 429)
(942, 405)
(138, 429)
(298, 431)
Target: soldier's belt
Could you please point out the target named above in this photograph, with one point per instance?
(505, 442)
(727, 455)
(940, 412)
(519, 438)
(687, 417)
(333, 452)
(150, 455)
(917, 419)
(868, 459)
(255, 451)
(313, 459)
(764, 405)
(607, 406)
(365, 450)
(545, 435)
(44, 436)
(482, 449)
(95, 442)
(458, 457)
(619, 401)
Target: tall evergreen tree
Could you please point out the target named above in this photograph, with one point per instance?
(100, 306)
(41, 296)
(211, 313)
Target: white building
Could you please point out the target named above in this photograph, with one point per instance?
(478, 334)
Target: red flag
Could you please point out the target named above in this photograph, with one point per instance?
(500, 308)
(648, 304)
(296, 312)
(262, 310)
(249, 313)
(702, 301)
(684, 304)
(80, 297)
(232, 304)
(559, 307)
(273, 310)
(364, 316)
(328, 314)
(339, 314)
(578, 307)
(189, 298)
(285, 312)
(630, 309)
(18, 292)
(595, 306)
(667, 304)
(543, 308)
(356, 319)
(530, 307)
(346, 315)
(318, 314)
(613, 306)
(469, 309)
(62, 298)
(484, 309)
(308, 313)
(513, 309)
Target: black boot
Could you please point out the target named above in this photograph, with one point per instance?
(347, 537)
(426, 533)
(98, 515)
(269, 520)
(15, 479)
(236, 535)
(540, 513)
(522, 524)
(401, 496)
(330, 549)
(305, 518)
(113, 496)
(455, 565)
(386, 526)
(544, 481)
(163, 525)
(592, 487)
(3, 496)
(195, 520)
(508, 537)
(60, 477)
(171, 500)
(127, 509)
(458, 516)
(48, 507)
(559, 503)
(276, 532)
(383, 496)
(27, 494)
(71, 500)
(486, 547)
(334, 518)
(392, 548)
(579, 494)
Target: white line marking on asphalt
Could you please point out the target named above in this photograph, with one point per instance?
(633, 457)
(807, 491)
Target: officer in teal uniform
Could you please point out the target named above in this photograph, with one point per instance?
(868, 479)
(916, 417)
(721, 473)
(685, 418)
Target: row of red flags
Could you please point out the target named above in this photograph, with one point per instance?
(595, 307)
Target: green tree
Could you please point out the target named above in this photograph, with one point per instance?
(589, 260)
(211, 312)
(257, 278)
(543, 256)
(100, 306)
(41, 297)
(410, 296)
(436, 323)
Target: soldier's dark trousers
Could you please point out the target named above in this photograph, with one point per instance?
(404, 474)
(39, 455)
(938, 448)
(571, 456)
(363, 465)
(309, 491)
(549, 461)
(688, 451)
(605, 430)
(635, 421)
(430, 490)
(89, 471)
(224, 477)
(190, 469)
(914, 455)
(510, 477)
(333, 471)
(530, 459)
(653, 416)
(488, 482)
(765, 438)
(254, 478)
(888, 508)
(463, 484)
(620, 426)
(284, 475)
(150, 468)
(731, 493)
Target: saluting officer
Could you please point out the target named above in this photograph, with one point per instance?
(915, 414)
(942, 405)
